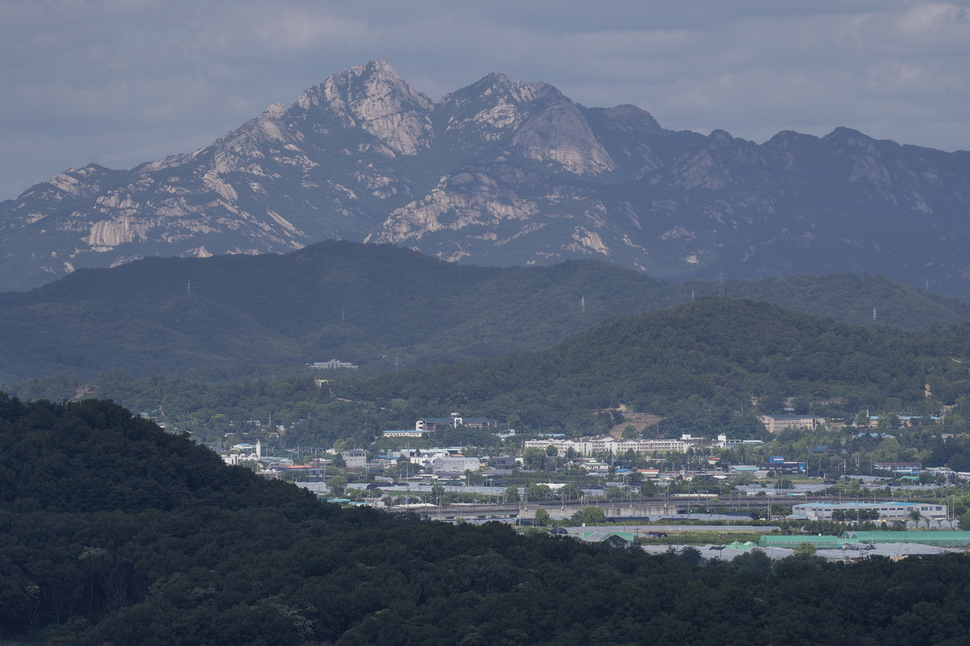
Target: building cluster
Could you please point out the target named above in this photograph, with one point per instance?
(595, 444)
(932, 516)
(333, 364)
(779, 465)
(779, 423)
(426, 425)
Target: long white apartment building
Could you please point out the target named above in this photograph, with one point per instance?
(591, 445)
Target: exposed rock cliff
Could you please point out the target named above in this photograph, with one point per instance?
(506, 172)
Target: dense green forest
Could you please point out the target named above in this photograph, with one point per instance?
(379, 307)
(723, 360)
(708, 367)
(115, 532)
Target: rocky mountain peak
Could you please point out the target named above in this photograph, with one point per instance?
(374, 98)
(506, 172)
(632, 119)
(533, 120)
(560, 133)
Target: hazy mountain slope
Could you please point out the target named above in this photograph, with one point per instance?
(378, 306)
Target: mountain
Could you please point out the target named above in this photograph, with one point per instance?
(378, 306)
(509, 173)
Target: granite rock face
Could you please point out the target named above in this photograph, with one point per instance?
(508, 173)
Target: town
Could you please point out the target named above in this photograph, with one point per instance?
(628, 490)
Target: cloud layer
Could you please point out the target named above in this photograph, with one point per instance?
(121, 82)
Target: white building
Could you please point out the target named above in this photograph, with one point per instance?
(355, 458)
(888, 511)
(455, 464)
(592, 445)
(404, 433)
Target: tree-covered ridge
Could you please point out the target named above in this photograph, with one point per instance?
(93, 456)
(709, 367)
(235, 559)
(719, 352)
(380, 307)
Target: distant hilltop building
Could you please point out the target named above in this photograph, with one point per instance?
(355, 458)
(333, 364)
(779, 423)
(456, 420)
(404, 433)
(591, 445)
(427, 425)
(899, 468)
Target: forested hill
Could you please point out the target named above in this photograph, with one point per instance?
(702, 359)
(711, 366)
(176, 548)
(379, 307)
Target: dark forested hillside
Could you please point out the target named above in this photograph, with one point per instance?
(176, 548)
(705, 361)
(708, 367)
(376, 306)
(379, 307)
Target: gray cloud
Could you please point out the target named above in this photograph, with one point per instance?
(124, 82)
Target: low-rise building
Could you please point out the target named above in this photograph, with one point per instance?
(888, 511)
(592, 445)
(404, 433)
(454, 421)
(899, 468)
(779, 423)
(724, 442)
(455, 464)
(333, 364)
(355, 458)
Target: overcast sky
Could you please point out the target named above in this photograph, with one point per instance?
(119, 82)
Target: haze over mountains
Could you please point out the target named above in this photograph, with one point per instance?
(509, 173)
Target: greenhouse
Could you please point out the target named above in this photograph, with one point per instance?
(942, 538)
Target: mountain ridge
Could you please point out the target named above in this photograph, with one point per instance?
(507, 173)
(378, 306)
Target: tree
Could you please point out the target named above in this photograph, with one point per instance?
(537, 491)
(543, 519)
(753, 561)
(691, 555)
(338, 484)
(590, 516)
(437, 494)
(533, 458)
(804, 550)
(512, 493)
(570, 492)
